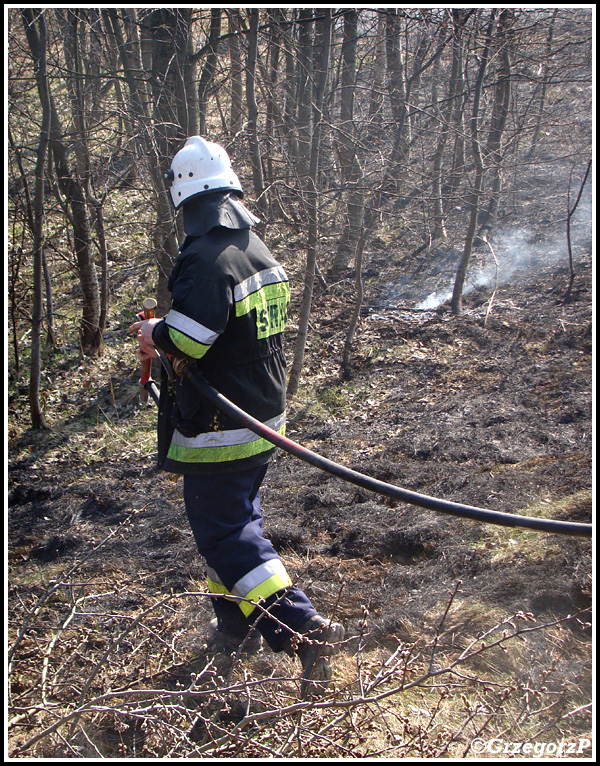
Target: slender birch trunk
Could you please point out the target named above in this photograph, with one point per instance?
(324, 29)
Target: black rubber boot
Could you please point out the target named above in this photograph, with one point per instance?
(227, 642)
(318, 643)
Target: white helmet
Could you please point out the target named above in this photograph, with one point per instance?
(200, 167)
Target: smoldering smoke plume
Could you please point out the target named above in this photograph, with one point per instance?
(521, 251)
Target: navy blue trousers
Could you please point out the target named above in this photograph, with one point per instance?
(226, 520)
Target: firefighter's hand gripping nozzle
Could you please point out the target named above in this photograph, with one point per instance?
(148, 386)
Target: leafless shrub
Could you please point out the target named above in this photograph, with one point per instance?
(88, 677)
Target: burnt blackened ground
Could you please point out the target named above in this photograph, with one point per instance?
(493, 409)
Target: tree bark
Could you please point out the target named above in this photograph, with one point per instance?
(396, 82)
(37, 39)
(544, 79)
(322, 69)
(164, 136)
(50, 331)
(289, 94)
(376, 97)
(570, 214)
(304, 87)
(188, 108)
(451, 107)
(457, 172)
(358, 299)
(271, 77)
(71, 184)
(349, 166)
(493, 149)
(75, 86)
(208, 70)
(236, 114)
(461, 273)
(252, 106)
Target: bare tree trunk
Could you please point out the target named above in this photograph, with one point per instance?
(350, 167)
(570, 214)
(543, 77)
(236, 113)
(502, 93)
(461, 273)
(125, 125)
(400, 86)
(324, 29)
(188, 108)
(71, 184)
(209, 68)
(360, 247)
(91, 335)
(271, 77)
(290, 102)
(164, 135)
(38, 43)
(376, 98)
(396, 81)
(255, 158)
(15, 265)
(50, 332)
(452, 105)
(304, 95)
(75, 85)
(457, 129)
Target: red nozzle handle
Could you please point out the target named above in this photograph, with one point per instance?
(147, 312)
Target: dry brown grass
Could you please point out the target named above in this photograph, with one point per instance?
(91, 676)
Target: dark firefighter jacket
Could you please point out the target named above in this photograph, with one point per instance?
(228, 313)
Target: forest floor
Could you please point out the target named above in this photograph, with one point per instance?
(456, 630)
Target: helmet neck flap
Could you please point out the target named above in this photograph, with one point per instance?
(205, 212)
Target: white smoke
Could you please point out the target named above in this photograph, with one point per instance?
(514, 251)
(521, 251)
(482, 278)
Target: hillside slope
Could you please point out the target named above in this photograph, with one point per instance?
(493, 409)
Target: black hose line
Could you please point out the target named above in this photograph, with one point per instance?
(375, 485)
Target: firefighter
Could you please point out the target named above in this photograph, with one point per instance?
(227, 316)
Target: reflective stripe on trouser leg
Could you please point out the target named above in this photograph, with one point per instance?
(225, 517)
(227, 611)
(288, 607)
(259, 584)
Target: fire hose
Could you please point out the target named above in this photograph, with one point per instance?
(183, 369)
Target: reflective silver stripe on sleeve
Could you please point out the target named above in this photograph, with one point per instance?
(189, 327)
(224, 438)
(256, 281)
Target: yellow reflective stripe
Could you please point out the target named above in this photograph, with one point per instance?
(229, 438)
(185, 324)
(218, 588)
(258, 575)
(262, 278)
(188, 346)
(279, 292)
(266, 588)
(185, 454)
(278, 580)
